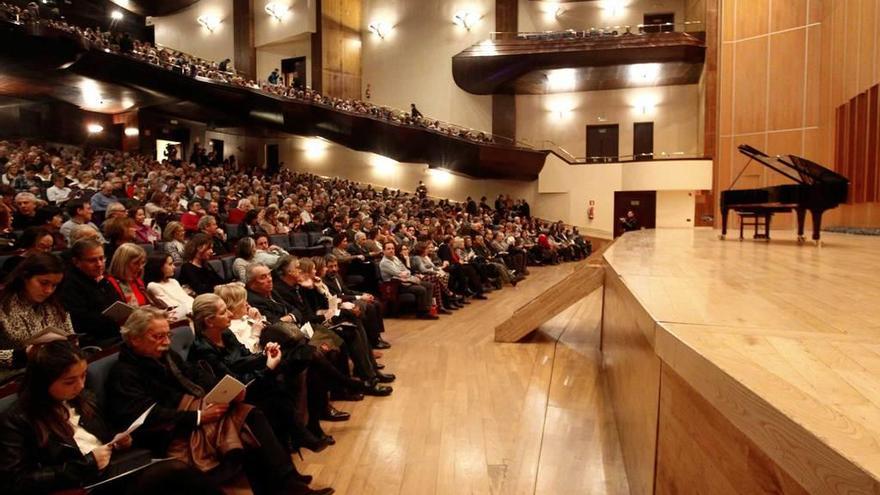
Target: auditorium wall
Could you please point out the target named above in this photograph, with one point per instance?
(555, 16)
(183, 32)
(562, 118)
(413, 64)
(269, 56)
(298, 19)
(784, 69)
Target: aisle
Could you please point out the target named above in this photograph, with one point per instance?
(472, 416)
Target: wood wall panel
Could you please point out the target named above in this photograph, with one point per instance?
(340, 46)
(856, 145)
(632, 373)
(750, 86)
(243, 37)
(786, 94)
(700, 451)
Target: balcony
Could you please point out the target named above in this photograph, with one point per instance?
(611, 58)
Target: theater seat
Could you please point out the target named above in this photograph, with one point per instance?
(393, 300)
(217, 266)
(280, 240)
(148, 248)
(96, 377)
(182, 339)
(7, 401)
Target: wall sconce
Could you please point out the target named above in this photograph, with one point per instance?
(379, 28)
(116, 15)
(94, 128)
(645, 105)
(465, 19)
(276, 10)
(613, 8)
(131, 131)
(209, 22)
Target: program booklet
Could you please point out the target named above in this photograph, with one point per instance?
(226, 389)
(118, 312)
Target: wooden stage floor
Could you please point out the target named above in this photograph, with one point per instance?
(471, 416)
(782, 339)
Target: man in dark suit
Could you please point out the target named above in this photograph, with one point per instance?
(369, 307)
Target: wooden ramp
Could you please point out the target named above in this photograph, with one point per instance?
(583, 281)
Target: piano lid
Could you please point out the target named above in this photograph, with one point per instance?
(807, 172)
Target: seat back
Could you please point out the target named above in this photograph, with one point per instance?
(299, 240)
(389, 294)
(217, 266)
(315, 238)
(182, 338)
(148, 247)
(96, 377)
(227, 267)
(280, 240)
(6, 402)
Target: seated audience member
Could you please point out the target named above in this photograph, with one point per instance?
(236, 215)
(247, 322)
(115, 210)
(54, 438)
(52, 220)
(26, 211)
(270, 224)
(209, 437)
(423, 266)
(144, 232)
(30, 310)
(196, 273)
(80, 212)
(208, 226)
(403, 254)
(118, 231)
(86, 293)
(59, 193)
(190, 219)
(369, 307)
(249, 251)
(174, 236)
(394, 269)
(33, 240)
(126, 272)
(164, 290)
(464, 277)
(102, 199)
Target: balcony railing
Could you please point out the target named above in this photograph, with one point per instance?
(599, 33)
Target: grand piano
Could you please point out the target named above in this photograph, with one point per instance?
(817, 189)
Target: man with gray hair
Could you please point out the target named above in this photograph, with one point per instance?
(103, 198)
(26, 212)
(150, 374)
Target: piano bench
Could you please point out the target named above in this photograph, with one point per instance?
(747, 219)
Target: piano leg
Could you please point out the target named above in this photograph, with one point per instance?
(801, 218)
(724, 213)
(816, 215)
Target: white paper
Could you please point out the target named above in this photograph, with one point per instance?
(226, 389)
(118, 312)
(307, 330)
(140, 420)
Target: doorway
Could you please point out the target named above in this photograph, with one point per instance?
(659, 23)
(168, 150)
(602, 143)
(217, 148)
(293, 70)
(272, 163)
(642, 203)
(643, 141)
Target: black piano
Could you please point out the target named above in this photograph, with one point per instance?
(817, 189)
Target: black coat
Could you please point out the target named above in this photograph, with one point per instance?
(28, 468)
(85, 299)
(201, 280)
(137, 382)
(236, 360)
(273, 309)
(339, 289)
(292, 296)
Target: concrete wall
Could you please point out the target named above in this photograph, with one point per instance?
(562, 118)
(413, 64)
(182, 31)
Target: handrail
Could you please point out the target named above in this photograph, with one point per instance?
(601, 31)
(568, 157)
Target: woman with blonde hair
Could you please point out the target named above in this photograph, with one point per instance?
(246, 322)
(126, 272)
(173, 237)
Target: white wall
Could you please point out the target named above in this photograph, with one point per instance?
(299, 19)
(674, 181)
(675, 209)
(413, 64)
(182, 31)
(562, 118)
(269, 56)
(555, 16)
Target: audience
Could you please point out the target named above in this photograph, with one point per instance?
(165, 292)
(86, 293)
(196, 273)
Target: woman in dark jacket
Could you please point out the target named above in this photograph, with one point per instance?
(53, 438)
(196, 273)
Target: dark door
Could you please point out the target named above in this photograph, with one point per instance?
(272, 159)
(294, 72)
(602, 143)
(217, 148)
(642, 203)
(664, 23)
(643, 141)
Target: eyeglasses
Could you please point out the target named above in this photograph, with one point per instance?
(159, 337)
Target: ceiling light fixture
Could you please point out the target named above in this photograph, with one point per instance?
(276, 10)
(209, 22)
